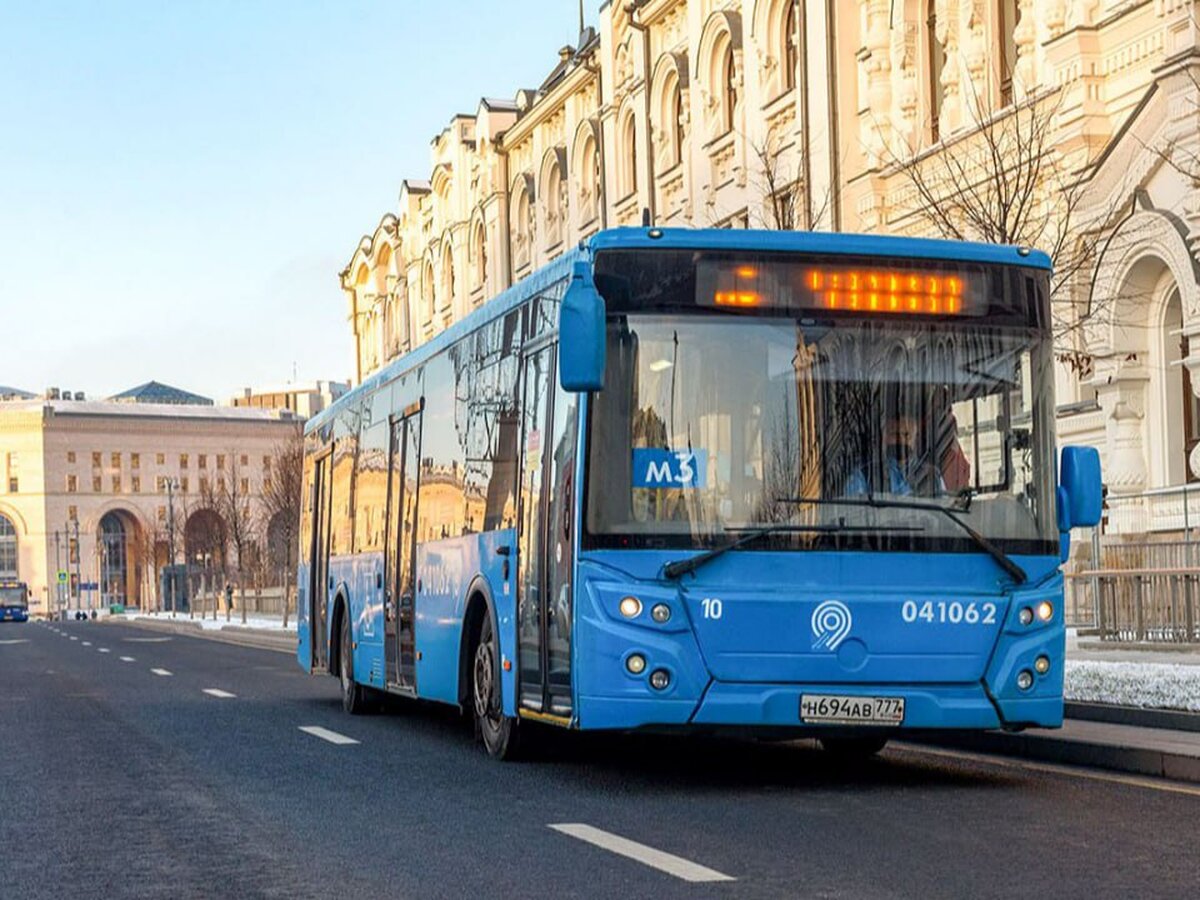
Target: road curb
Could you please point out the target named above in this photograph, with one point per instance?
(244, 636)
(1171, 719)
(1048, 748)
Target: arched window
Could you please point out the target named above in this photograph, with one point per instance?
(729, 95)
(8, 548)
(427, 290)
(1008, 16)
(937, 62)
(448, 286)
(629, 145)
(587, 176)
(478, 257)
(791, 46)
(676, 123)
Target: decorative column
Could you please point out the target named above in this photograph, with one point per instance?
(1120, 385)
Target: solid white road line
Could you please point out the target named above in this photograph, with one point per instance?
(16, 641)
(127, 659)
(326, 735)
(145, 640)
(160, 671)
(647, 856)
(217, 692)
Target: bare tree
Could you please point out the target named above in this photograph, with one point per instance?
(1006, 182)
(787, 204)
(206, 542)
(232, 497)
(282, 488)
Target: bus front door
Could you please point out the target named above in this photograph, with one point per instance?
(319, 569)
(404, 457)
(545, 551)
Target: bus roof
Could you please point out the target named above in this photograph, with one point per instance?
(747, 240)
(815, 242)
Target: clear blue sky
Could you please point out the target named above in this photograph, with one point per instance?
(180, 182)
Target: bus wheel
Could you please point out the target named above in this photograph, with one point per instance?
(498, 731)
(853, 748)
(356, 699)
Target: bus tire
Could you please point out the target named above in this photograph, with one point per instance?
(854, 747)
(500, 733)
(356, 699)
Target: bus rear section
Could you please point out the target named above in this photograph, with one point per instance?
(14, 601)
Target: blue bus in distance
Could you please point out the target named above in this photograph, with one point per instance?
(779, 482)
(14, 601)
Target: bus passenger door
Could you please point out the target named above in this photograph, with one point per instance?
(399, 576)
(318, 588)
(544, 563)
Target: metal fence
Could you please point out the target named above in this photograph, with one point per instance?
(1137, 576)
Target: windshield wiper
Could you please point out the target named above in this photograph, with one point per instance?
(1002, 559)
(681, 567)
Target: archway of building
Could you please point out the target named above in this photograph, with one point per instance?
(9, 559)
(121, 558)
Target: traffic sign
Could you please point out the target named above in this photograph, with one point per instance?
(62, 576)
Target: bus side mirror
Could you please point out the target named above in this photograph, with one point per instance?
(581, 338)
(1080, 492)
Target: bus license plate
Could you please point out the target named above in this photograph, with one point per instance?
(828, 709)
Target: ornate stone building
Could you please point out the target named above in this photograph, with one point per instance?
(1070, 124)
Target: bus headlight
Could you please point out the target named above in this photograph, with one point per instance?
(1024, 679)
(630, 607)
(660, 612)
(635, 663)
(1041, 665)
(1025, 616)
(1045, 610)
(659, 679)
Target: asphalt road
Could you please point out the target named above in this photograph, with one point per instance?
(117, 781)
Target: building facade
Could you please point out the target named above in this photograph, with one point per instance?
(1072, 125)
(304, 399)
(103, 490)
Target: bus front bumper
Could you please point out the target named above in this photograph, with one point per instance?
(776, 706)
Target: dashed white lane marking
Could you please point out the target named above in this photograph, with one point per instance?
(87, 643)
(217, 692)
(127, 659)
(74, 638)
(326, 735)
(160, 671)
(647, 856)
(104, 650)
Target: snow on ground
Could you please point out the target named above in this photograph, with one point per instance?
(1149, 685)
(274, 623)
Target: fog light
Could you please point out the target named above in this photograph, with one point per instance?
(1045, 610)
(660, 612)
(1025, 615)
(1025, 679)
(659, 679)
(1042, 665)
(630, 607)
(636, 664)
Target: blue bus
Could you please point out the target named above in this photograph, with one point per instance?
(780, 482)
(14, 601)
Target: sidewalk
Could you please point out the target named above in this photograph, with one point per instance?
(263, 632)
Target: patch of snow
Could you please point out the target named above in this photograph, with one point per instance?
(1148, 685)
(270, 623)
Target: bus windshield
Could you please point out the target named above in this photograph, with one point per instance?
(712, 424)
(11, 596)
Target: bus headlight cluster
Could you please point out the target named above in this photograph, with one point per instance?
(635, 663)
(660, 613)
(1024, 679)
(630, 607)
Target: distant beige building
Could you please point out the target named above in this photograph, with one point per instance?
(304, 399)
(855, 115)
(89, 488)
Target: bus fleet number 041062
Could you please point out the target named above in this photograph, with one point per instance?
(952, 612)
